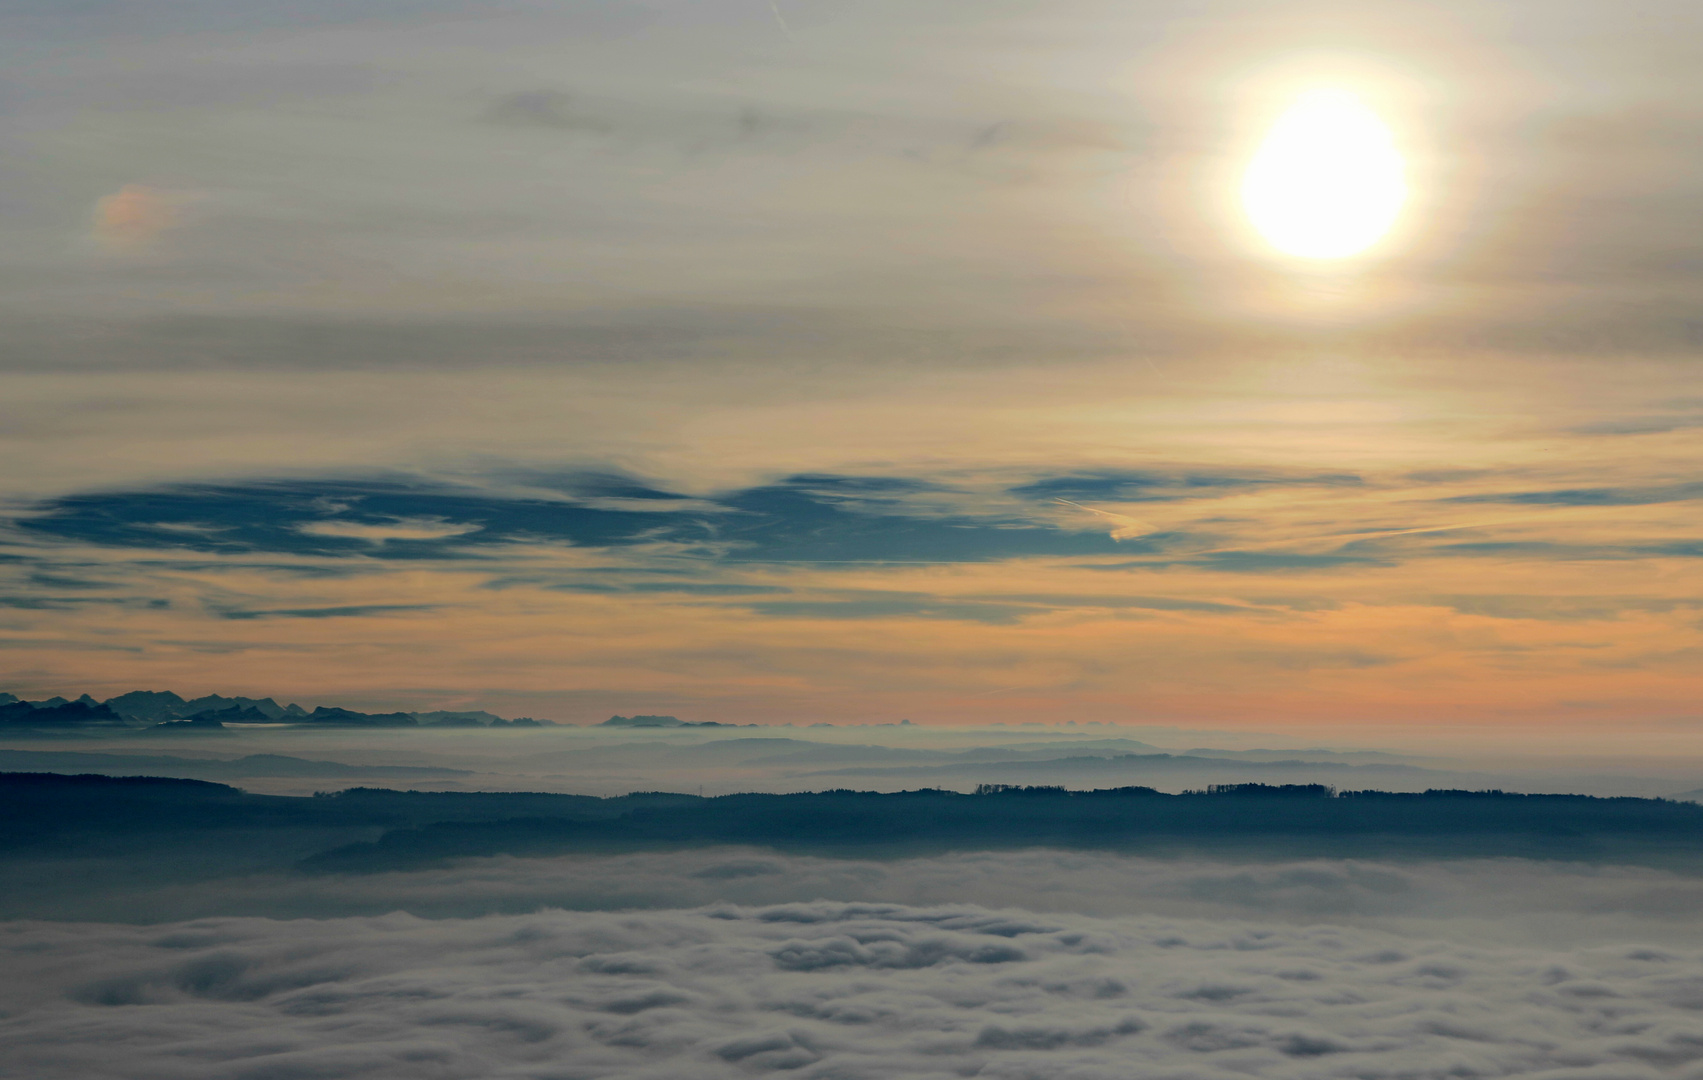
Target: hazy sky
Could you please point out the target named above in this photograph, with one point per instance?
(850, 361)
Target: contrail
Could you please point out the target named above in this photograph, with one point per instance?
(780, 20)
(1368, 533)
(1128, 527)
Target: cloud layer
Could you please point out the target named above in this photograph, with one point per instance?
(952, 593)
(829, 990)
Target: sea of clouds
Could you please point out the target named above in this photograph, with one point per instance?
(1529, 902)
(830, 990)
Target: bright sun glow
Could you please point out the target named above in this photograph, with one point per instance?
(1328, 181)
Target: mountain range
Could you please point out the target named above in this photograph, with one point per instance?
(170, 713)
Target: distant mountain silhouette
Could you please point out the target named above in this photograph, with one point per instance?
(350, 718)
(147, 705)
(142, 708)
(214, 703)
(236, 714)
(64, 714)
(250, 765)
(643, 721)
(661, 722)
(462, 718)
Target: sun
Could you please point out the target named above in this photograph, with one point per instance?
(1328, 181)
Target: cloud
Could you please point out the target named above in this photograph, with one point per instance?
(808, 519)
(1547, 550)
(1151, 603)
(1647, 495)
(1562, 608)
(1253, 562)
(543, 108)
(380, 532)
(685, 588)
(830, 989)
(1260, 562)
(1129, 485)
(876, 604)
(1643, 425)
(346, 611)
(333, 518)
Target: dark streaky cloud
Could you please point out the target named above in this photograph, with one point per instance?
(1126, 485)
(811, 518)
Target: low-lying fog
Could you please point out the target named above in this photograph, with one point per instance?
(830, 990)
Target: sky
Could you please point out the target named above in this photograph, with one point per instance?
(850, 362)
